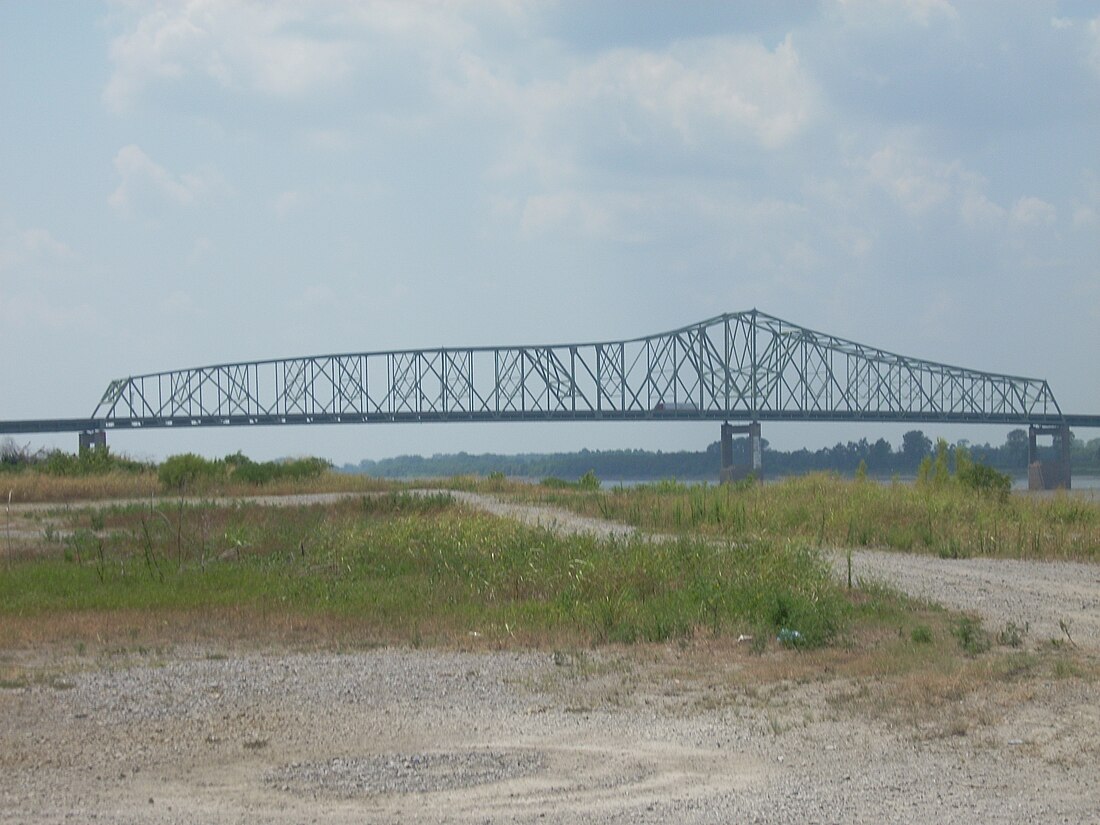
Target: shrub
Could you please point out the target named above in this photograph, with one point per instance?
(986, 480)
(921, 635)
(972, 639)
(180, 472)
(589, 481)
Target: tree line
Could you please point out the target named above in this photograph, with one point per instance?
(878, 457)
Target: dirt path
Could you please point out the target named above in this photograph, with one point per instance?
(645, 735)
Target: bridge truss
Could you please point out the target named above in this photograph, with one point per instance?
(740, 366)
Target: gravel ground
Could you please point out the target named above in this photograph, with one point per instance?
(392, 735)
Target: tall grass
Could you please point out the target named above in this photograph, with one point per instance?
(949, 520)
(412, 569)
(38, 486)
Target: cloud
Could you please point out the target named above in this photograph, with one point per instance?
(578, 213)
(286, 203)
(141, 176)
(977, 210)
(282, 49)
(710, 89)
(1094, 44)
(36, 312)
(31, 246)
(879, 12)
(918, 184)
(1084, 217)
(1033, 211)
(329, 140)
(178, 302)
(286, 49)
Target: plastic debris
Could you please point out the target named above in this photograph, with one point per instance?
(789, 637)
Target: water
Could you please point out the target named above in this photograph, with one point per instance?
(1087, 485)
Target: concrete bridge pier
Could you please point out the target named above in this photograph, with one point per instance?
(93, 440)
(736, 472)
(1054, 473)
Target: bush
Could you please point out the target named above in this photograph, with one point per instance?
(589, 481)
(986, 480)
(921, 635)
(188, 470)
(181, 472)
(970, 635)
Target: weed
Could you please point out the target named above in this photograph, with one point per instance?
(1011, 635)
(921, 635)
(970, 635)
(1064, 625)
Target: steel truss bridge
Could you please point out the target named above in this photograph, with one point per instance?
(739, 366)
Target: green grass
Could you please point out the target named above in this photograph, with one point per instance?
(951, 520)
(415, 569)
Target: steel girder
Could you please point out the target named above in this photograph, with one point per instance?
(748, 366)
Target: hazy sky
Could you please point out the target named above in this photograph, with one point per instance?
(197, 182)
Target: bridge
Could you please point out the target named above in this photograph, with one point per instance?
(745, 366)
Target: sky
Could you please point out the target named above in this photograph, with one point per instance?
(189, 183)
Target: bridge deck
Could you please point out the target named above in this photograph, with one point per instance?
(77, 425)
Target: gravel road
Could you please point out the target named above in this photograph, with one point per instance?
(641, 735)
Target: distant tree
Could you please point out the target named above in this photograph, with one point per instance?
(1016, 444)
(915, 445)
(881, 454)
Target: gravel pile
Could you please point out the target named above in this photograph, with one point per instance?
(404, 773)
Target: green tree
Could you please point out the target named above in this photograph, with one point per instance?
(915, 445)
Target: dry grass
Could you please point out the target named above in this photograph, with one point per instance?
(951, 520)
(31, 487)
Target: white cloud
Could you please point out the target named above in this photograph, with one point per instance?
(635, 112)
(36, 312)
(977, 210)
(1094, 44)
(178, 302)
(141, 174)
(709, 89)
(876, 12)
(316, 296)
(916, 183)
(578, 213)
(255, 46)
(1033, 211)
(1084, 217)
(921, 184)
(286, 48)
(35, 244)
(286, 203)
(329, 140)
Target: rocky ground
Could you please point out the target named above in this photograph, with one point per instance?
(640, 735)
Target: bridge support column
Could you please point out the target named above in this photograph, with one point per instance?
(93, 440)
(736, 472)
(1053, 473)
